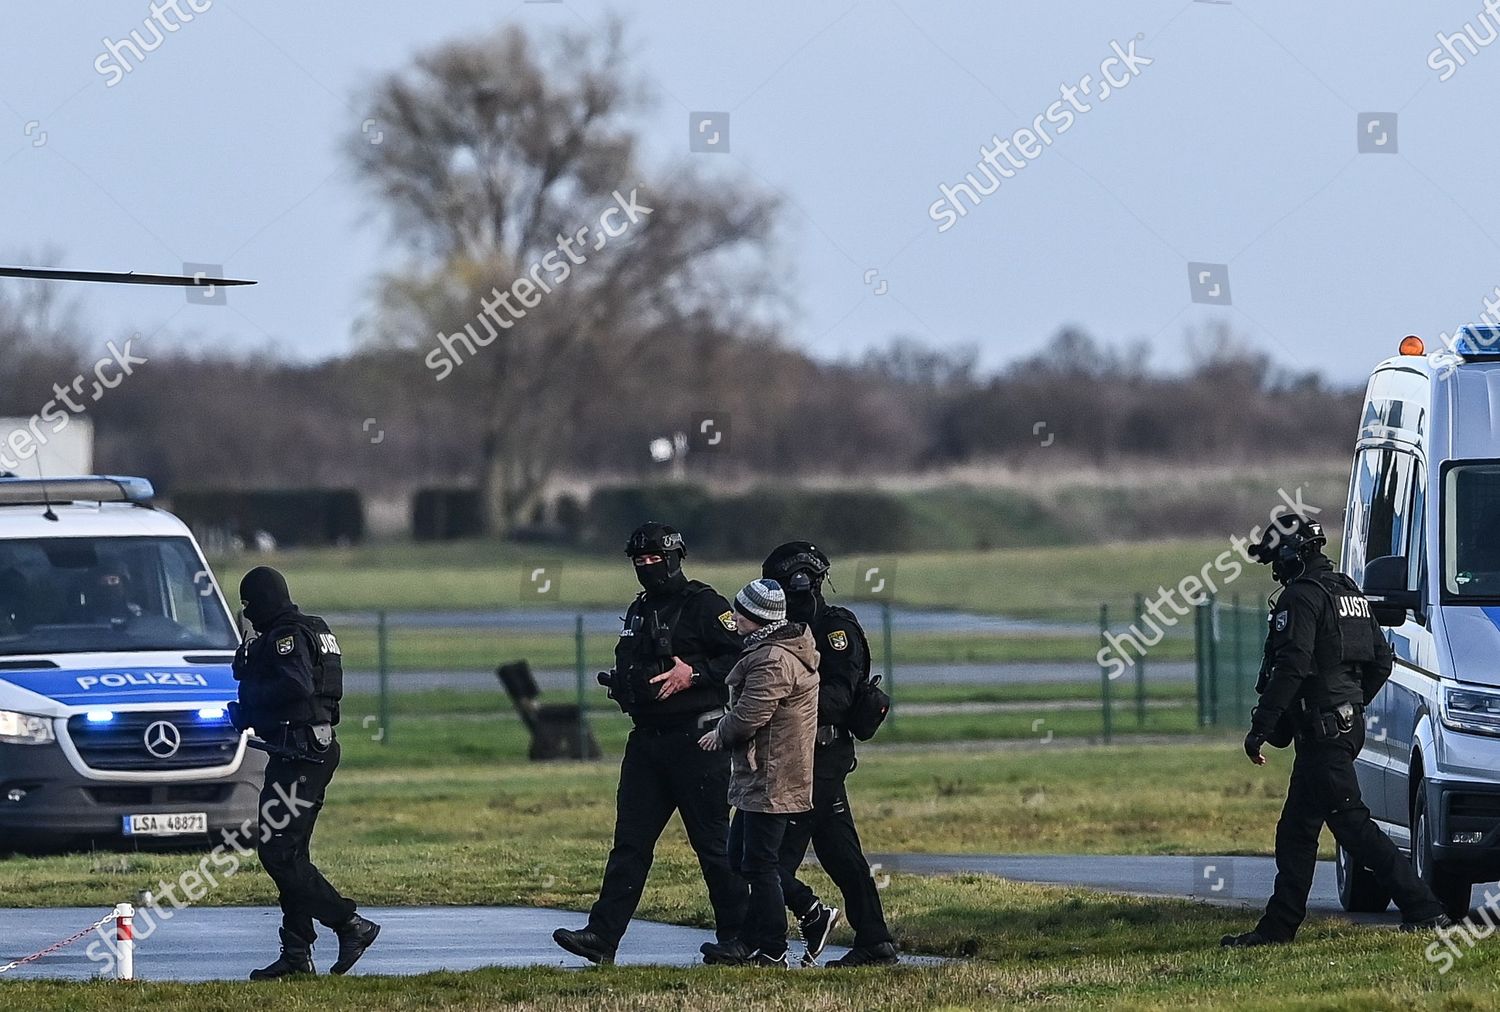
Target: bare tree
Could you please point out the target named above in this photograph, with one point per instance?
(490, 153)
(39, 342)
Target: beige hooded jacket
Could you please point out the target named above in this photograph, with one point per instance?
(772, 723)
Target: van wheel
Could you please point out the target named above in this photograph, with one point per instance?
(1452, 889)
(1360, 892)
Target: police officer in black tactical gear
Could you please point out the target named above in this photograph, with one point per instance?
(291, 680)
(1325, 659)
(677, 647)
(843, 673)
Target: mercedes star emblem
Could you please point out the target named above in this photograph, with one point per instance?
(163, 739)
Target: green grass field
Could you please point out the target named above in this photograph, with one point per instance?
(444, 810)
(527, 834)
(471, 831)
(1034, 947)
(1069, 582)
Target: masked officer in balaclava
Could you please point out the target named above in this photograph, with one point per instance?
(291, 680)
(844, 664)
(1325, 659)
(677, 646)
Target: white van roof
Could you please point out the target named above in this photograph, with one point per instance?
(1447, 404)
(85, 506)
(88, 520)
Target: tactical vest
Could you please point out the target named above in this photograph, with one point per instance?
(328, 671)
(1341, 661)
(647, 645)
(1356, 625)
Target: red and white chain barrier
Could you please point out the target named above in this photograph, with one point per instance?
(123, 916)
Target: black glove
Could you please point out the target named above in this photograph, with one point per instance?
(1253, 742)
(237, 717)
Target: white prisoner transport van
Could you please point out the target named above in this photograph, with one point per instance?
(1422, 537)
(115, 653)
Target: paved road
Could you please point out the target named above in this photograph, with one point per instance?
(596, 620)
(560, 681)
(226, 943)
(1236, 881)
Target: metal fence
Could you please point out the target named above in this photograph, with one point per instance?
(1228, 642)
(393, 656)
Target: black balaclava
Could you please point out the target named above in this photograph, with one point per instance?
(804, 605)
(656, 538)
(264, 593)
(1310, 563)
(111, 596)
(660, 577)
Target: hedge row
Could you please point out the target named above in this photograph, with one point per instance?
(294, 517)
(745, 525)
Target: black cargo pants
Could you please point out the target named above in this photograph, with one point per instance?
(1325, 789)
(664, 771)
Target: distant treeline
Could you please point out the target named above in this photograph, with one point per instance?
(376, 420)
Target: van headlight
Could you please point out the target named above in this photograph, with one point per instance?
(25, 729)
(1471, 710)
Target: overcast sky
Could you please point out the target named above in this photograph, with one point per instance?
(1237, 145)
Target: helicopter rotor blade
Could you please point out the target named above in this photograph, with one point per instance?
(118, 277)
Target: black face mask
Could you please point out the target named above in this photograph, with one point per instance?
(656, 577)
(801, 605)
(265, 595)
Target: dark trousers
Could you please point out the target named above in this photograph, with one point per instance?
(1325, 789)
(755, 851)
(660, 774)
(289, 805)
(829, 827)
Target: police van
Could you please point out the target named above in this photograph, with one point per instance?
(115, 654)
(1422, 537)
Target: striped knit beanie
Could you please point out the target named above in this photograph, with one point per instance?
(762, 601)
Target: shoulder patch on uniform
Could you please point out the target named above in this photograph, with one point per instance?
(838, 639)
(1283, 619)
(727, 621)
(285, 644)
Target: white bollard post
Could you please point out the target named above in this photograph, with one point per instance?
(125, 942)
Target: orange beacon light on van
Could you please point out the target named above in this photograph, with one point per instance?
(1412, 345)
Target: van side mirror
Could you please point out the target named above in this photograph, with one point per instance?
(1385, 586)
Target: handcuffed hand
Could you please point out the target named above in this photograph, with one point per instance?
(1253, 742)
(673, 681)
(710, 741)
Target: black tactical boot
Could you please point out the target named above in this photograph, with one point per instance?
(731, 953)
(295, 958)
(815, 928)
(355, 936)
(883, 954)
(1248, 940)
(1438, 923)
(586, 944)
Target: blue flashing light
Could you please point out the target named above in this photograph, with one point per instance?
(99, 716)
(1477, 341)
(212, 713)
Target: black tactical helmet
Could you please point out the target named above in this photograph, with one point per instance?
(653, 538)
(1291, 536)
(799, 566)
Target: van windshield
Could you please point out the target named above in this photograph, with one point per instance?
(83, 595)
(1471, 531)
